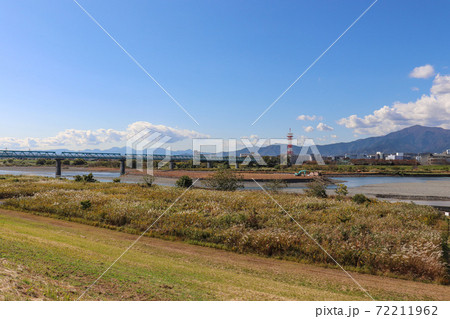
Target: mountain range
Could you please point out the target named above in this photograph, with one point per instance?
(415, 139)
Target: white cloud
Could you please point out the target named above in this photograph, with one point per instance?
(333, 136)
(253, 137)
(414, 88)
(428, 110)
(309, 129)
(323, 127)
(72, 138)
(441, 85)
(309, 118)
(422, 72)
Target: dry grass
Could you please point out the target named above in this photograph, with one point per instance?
(403, 240)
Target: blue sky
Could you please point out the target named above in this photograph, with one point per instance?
(225, 62)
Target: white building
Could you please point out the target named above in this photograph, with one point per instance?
(396, 156)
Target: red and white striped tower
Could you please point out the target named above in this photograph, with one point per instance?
(289, 146)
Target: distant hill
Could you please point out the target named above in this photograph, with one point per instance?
(414, 139)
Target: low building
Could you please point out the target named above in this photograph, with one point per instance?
(434, 159)
(396, 156)
(379, 156)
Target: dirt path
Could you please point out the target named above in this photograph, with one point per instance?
(272, 268)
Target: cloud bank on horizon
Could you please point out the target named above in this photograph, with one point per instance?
(429, 110)
(99, 137)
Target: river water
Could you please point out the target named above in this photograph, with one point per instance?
(350, 182)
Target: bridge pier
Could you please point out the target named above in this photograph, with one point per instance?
(209, 165)
(122, 167)
(58, 167)
(171, 165)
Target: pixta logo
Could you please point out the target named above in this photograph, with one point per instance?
(141, 147)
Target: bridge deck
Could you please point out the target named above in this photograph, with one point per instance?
(112, 156)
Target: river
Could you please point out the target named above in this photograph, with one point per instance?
(369, 185)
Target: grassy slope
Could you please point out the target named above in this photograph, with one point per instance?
(43, 258)
(381, 238)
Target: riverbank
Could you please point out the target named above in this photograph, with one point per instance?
(251, 222)
(435, 193)
(422, 190)
(40, 249)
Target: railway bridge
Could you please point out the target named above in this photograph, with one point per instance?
(59, 157)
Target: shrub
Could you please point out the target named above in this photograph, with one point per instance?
(184, 181)
(360, 199)
(116, 180)
(224, 180)
(79, 161)
(85, 204)
(40, 162)
(148, 180)
(252, 220)
(341, 191)
(316, 188)
(89, 178)
(275, 185)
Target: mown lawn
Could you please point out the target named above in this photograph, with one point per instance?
(43, 258)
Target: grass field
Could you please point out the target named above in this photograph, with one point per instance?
(400, 240)
(50, 259)
(43, 258)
